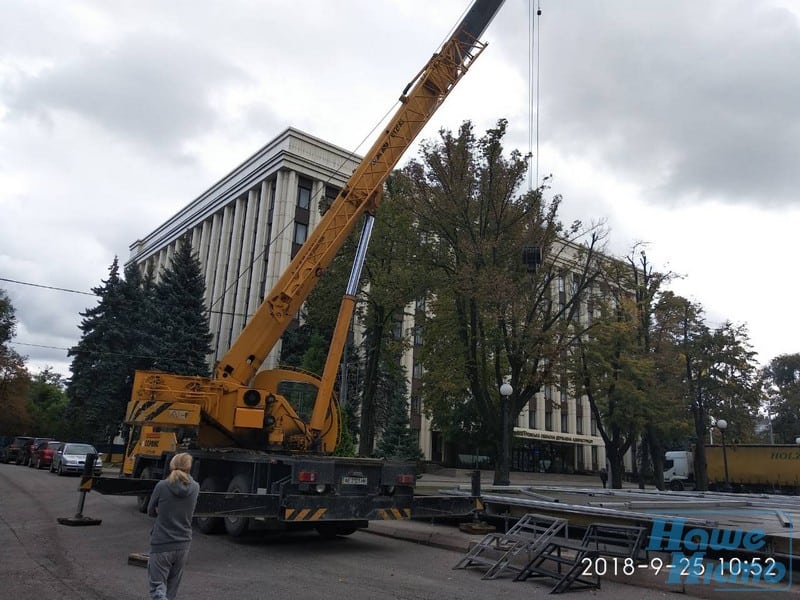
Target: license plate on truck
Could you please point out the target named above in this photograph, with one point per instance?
(350, 480)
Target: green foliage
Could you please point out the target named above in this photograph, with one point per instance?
(397, 441)
(47, 404)
(781, 385)
(183, 339)
(347, 444)
(8, 320)
(315, 355)
(14, 377)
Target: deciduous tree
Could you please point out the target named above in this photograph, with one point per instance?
(494, 316)
(14, 376)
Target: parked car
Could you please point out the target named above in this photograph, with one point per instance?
(4, 442)
(70, 457)
(27, 450)
(42, 454)
(15, 448)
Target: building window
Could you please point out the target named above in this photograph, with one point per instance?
(532, 414)
(417, 370)
(593, 424)
(300, 233)
(416, 405)
(564, 418)
(330, 195)
(397, 329)
(304, 187)
(418, 335)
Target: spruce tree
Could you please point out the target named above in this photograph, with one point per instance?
(398, 441)
(102, 362)
(183, 341)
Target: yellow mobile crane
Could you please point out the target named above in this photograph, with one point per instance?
(256, 458)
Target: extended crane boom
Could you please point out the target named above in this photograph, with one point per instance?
(359, 195)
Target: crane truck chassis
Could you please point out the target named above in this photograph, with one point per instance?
(335, 496)
(259, 458)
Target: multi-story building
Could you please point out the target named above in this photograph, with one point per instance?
(247, 227)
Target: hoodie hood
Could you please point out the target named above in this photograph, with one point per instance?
(180, 489)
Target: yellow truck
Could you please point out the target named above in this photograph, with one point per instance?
(750, 468)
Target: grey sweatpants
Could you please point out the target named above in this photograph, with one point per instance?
(165, 569)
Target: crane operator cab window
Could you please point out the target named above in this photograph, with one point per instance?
(301, 396)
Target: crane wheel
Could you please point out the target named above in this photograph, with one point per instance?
(237, 526)
(210, 525)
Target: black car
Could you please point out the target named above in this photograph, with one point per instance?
(15, 450)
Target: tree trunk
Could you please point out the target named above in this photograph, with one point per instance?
(699, 454)
(642, 457)
(614, 458)
(657, 456)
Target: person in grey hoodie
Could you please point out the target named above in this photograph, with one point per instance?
(172, 504)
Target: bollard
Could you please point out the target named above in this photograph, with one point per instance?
(476, 483)
(86, 485)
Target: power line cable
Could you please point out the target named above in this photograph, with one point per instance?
(48, 287)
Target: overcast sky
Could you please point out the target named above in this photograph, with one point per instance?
(677, 123)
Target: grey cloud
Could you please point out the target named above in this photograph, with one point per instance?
(690, 98)
(152, 89)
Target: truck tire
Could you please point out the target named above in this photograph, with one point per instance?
(676, 485)
(144, 499)
(210, 525)
(237, 526)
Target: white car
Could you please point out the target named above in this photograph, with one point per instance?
(70, 458)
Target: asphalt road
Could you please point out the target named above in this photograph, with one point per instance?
(40, 559)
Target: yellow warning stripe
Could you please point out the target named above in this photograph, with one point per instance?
(86, 484)
(304, 514)
(318, 514)
(394, 514)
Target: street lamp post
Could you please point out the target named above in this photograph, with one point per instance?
(505, 464)
(722, 425)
